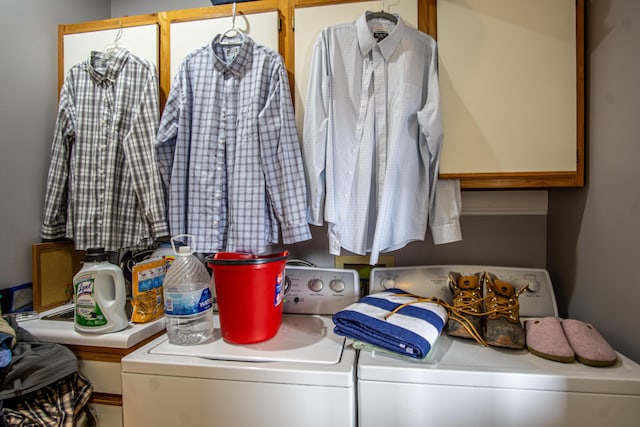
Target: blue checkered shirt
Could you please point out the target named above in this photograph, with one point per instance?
(228, 150)
(103, 187)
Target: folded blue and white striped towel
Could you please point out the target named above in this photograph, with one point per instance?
(412, 330)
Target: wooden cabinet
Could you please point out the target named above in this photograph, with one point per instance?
(139, 34)
(310, 18)
(102, 367)
(183, 31)
(512, 84)
(511, 71)
(99, 356)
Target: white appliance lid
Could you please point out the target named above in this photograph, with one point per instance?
(461, 362)
(432, 281)
(301, 338)
(63, 332)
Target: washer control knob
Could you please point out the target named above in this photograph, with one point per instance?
(337, 285)
(534, 285)
(388, 283)
(287, 284)
(316, 285)
(530, 282)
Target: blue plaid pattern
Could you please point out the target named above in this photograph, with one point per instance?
(228, 150)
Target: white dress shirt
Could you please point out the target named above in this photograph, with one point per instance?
(372, 139)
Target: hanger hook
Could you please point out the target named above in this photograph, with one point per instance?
(119, 33)
(233, 16)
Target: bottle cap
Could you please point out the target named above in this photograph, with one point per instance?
(95, 255)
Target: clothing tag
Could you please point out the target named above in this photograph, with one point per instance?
(380, 35)
(230, 53)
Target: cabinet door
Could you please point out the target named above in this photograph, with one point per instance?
(311, 20)
(138, 34)
(184, 31)
(188, 36)
(511, 81)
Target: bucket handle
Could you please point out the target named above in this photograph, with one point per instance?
(253, 260)
(173, 246)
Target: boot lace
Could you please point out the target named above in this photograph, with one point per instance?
(454, 312)
(470, 302)
(501, 306)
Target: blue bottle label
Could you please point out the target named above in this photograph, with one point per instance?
(279, 290)
(187, 303)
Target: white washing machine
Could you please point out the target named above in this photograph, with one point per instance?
(462, 383)
(305, 375)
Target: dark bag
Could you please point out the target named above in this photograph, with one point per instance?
(34, 364)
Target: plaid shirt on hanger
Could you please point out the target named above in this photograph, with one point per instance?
(103, 188)
(228, 150)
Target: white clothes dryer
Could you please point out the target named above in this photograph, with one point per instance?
(462, 383)
(305, 375)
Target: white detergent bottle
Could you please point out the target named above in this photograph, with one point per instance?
(100, 295)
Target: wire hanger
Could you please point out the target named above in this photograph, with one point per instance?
(232, 35)
(110, 50)
(382, 14)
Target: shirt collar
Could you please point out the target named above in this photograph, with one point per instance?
(113, 65)
(387, 46)
(239, 63)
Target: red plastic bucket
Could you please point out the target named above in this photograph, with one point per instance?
(250, 293)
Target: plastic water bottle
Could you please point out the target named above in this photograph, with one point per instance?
(188, 303)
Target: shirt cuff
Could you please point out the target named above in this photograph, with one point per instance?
(446, 233)
(51, 232)
(295, 233)
(160, 229)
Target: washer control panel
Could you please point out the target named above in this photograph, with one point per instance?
(316, 290)
(538, 300)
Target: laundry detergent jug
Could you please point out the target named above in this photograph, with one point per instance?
(100, 295)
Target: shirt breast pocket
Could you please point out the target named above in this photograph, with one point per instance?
(405, 98)
(249, 122)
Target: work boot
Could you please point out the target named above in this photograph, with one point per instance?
(502, 325)
(465, 318)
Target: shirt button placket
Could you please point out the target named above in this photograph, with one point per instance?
(102, 161)
(380, 103)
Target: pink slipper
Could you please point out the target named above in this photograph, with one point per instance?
(546, 339)
(590, 347)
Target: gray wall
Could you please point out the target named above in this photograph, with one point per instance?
(28, 84)
(594, 232)
(127, 7)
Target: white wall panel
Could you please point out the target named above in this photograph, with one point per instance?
(142, 41)
(189, 36)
